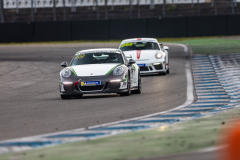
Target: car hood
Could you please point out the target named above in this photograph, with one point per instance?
(141, 54)
(93, 69)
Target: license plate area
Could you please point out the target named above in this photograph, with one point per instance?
(141, 65)
(90, 83)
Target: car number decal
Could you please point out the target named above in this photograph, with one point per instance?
(138, 54)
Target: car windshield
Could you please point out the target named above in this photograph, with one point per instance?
(129, 46)
(96, 58)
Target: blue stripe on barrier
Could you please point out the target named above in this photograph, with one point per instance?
(122, 128)
(202, 106)
(32, 143)
(205, 80)
(77, 135)
(155, 121)
(208, 88)
(212, 94)
(180, 115)
(221, 102)
(213, 98)
(195, 110)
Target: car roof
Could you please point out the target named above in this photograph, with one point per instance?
(112, 50)
(140, 39)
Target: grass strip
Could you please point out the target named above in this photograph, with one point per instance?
(213, 46)
(111, 41)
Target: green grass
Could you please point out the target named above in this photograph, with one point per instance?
(172, 139)
(213, 46)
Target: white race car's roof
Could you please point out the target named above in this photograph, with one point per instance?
(111, 50)
(140, 39)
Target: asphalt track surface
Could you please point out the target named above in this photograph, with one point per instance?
(30, 103)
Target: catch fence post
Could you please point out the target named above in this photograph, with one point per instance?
(1, 11)
(32, 14)
(164, 5)
(97, 9)
(232, 7)
(130, 10)
(106, 10)
(64, 10)
(54, 10)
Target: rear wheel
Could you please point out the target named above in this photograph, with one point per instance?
(128, 88)
(65, 97)
(168, 70)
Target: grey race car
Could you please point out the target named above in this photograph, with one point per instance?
(99, 71)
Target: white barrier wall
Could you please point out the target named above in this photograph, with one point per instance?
(10, 4)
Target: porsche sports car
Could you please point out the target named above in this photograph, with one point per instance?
(148, 54)
(99, 71)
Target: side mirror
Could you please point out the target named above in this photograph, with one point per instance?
(165, 48)
(131, 61)
(160, 44)
(64, 64)
(128, 56)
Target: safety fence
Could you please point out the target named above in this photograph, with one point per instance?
(120, 29)
(69, 10)
(9, 4)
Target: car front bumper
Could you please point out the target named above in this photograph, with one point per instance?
(157, 67)
(105, 87)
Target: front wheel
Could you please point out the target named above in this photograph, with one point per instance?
(139, 90)
(65, 97)
(128, 88)
(163, 73)
(168, 70)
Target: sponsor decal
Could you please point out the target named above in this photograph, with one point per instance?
(90, 83)
(139, 39)
(126, 44)
(141, 65)
(138, 54)
(76, 83)
(80, 56)
(73, 71)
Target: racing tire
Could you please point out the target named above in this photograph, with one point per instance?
(65, 97)
(139, 90)
(128, 87)
(163, 73)
(79, 95)
(168, 70)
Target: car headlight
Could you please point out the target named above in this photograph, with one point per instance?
(159, 55)
(66, 73)
(118, 71)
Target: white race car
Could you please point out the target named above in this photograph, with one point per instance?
(99, 71)
(148, 54)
